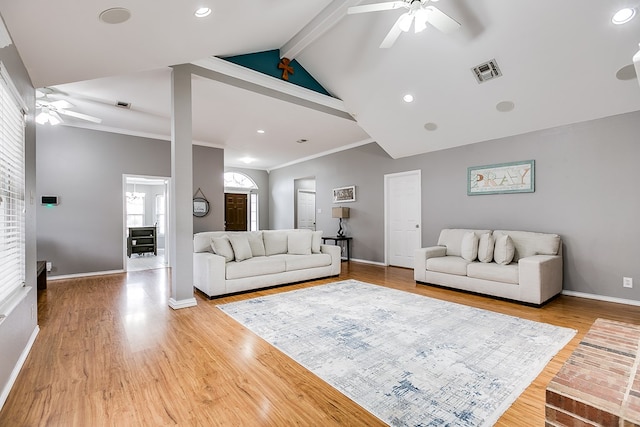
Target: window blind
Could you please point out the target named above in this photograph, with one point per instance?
(12, 188)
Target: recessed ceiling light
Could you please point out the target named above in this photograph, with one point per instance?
(202, 12)
(116, 15)
(430, 126)
(408, 98)
(623, 16)
(260, 131)
(247, 160)
(505, 106)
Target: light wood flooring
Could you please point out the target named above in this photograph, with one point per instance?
(111, 352)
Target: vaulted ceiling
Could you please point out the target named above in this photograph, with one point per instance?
(561, 61)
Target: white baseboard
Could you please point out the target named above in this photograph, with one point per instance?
(184, 303)
(601, 298)
(78, 275)
(364, 261)
(18, 367)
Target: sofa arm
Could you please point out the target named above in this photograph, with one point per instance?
(540, 277)
(336, 257)
(420, 258)
(209, 273)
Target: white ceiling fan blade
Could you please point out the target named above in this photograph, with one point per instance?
(376, 7)
(55, 118)
(441, 20)
(80, 116)
(392, 35)
(61, 104)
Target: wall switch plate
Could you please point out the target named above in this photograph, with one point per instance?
(627, 282)
(49, 266)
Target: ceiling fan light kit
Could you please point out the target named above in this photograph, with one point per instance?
(419, 12)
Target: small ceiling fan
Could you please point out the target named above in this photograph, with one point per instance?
(419, 11)
(51, 111)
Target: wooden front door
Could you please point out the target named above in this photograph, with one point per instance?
(235, 212)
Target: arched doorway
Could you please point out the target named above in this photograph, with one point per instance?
(241, 202)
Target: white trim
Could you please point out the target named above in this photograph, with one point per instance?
(12, 301)
(185, 303)
(251, 76)
(601, 298)
(16, 369)
(78, 275)
(5, 38)
(324, 153)
(366, 261)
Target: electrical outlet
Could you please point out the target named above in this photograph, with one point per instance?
(627, 282)
(49, 266)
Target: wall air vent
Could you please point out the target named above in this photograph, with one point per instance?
(486, 71)
(123, 104)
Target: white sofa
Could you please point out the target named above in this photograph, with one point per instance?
(515, 265)
(230, 262)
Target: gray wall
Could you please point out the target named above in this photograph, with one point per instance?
(208, 175)
(586, 191)
(261, 178)
(21, 323)
(85, 232)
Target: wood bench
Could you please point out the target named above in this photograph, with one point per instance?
(599, 384)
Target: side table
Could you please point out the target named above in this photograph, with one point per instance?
(337, 239)
(41, 275)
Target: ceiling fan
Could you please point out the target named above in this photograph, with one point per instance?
(419, 11)
(51, 111)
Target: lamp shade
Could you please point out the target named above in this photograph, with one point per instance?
(339, 212)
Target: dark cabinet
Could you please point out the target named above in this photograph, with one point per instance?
(142, 240)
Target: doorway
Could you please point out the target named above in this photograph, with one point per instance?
(235, 212)
(146, 208)
(306, 212)
(403, 217)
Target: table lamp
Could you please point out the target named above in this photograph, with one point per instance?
(340, 213)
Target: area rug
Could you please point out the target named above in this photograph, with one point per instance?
(410, 360)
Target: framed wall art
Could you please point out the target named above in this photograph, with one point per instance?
(344, 194)
(514, 177)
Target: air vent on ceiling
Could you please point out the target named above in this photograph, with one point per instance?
(486, 71)
(123, 104)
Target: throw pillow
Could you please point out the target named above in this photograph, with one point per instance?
(275, 242)
(469, 246)
(241, 247)
(316, 239)
(485, 248)
(299, 243)
(504, 249)
(222, 247)
(256, 243)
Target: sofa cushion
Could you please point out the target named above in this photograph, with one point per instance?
(316, 240)
(299, 243)
(256, 243)
(503, 250)
(222, 246)
(302, 262)
(469, 246)
(528, 243)
(275, 242)
(485, 247)
(448, 264)
(240, 244)
(452, 239)
(255, 266)
(494, 272)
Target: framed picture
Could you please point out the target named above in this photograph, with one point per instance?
(514, 177)
(344, 194)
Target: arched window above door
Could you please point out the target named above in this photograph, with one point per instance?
(238, 180)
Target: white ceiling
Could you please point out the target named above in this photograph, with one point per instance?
(559, 61)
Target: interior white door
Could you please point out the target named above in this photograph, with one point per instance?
(403, 217)
(306, 209)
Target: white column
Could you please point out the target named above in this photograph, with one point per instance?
(181, 210)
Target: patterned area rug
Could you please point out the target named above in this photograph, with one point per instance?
(408, 359)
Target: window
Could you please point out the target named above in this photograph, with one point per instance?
(135, 209)
(12, 188)
(160, 215)
(253, 207)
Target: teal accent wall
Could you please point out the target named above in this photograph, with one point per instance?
(267, 63)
